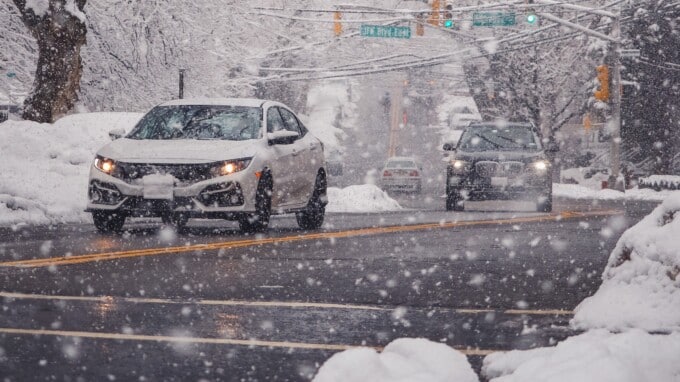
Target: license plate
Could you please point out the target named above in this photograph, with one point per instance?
(157, 186)
(499, 181)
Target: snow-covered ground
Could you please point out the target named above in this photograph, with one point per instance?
(44, 167)
(577, 191)
(403, 360)
(595, 356)
(360, 198)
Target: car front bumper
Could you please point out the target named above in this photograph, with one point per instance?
(228, 196)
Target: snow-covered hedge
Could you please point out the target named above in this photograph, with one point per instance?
(403, 360)
(660, 182)
(641, 283)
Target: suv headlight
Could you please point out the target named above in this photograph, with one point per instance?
(105, 165)
(230, 166)
(541, 165)
(459, 166)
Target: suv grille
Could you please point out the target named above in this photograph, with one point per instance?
(190, 173)
(487, 169)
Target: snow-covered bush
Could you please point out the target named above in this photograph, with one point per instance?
(641, 283)
(403, 360)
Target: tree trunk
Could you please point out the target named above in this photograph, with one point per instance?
(60, 34)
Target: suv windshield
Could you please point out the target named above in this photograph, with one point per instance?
(496, 138)
(233, 123)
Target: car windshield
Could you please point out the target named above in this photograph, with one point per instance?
(401, 164)
(495, 138)
(233, 123)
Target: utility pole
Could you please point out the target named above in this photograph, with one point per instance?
(615, 123)
(181, 83)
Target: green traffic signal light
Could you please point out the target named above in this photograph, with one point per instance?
(448, 24)
(532, 19)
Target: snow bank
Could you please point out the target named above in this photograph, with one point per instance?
(641, 283)
(44, 167)
(360, 198)
(403, 360)
(597, 356)
(575, 191)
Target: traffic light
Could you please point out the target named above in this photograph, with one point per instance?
(434, 16)
(337, 25)
(532, 19)
(448, 17)
(603, 76)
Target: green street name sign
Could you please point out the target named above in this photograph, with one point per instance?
(11, 74)
(493, 19)
(385, 31)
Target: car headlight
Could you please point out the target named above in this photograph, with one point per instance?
(105, 165)
(459, 166)
(541, 165)
(231, 166)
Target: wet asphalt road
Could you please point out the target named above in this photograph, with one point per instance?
(276, 308)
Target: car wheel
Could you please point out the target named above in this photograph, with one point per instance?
(312, 217)
(179, 221)
(545, 203)
(107, 221)
(259, 221)
(454, 201)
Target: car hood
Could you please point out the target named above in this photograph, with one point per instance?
(177, 150)
(520, 156)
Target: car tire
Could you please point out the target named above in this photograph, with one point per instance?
(545, 203)
(312, 217)
(454, 201)
(108, 221)
(259, 221)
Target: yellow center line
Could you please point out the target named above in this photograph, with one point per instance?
(203, 340)
(78, 259)
(268, 304)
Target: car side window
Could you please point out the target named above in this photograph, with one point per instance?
(291, 121)
(274, 120)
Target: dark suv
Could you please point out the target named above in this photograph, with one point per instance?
(499, 161)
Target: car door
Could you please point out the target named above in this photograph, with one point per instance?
(301, 164)
(283, 160)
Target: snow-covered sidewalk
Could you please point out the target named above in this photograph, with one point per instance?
(575, 191)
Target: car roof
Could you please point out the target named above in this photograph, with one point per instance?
(394, 159)
(246, 102)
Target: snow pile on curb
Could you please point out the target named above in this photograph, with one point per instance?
(360, 198)
(597, 356)
(403, 360)
(641, 283)
(575, 191)
(45, 167)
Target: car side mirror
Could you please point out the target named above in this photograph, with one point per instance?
(449, 147)
(282, 137)
(116, 134)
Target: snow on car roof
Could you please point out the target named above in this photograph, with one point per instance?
(247, 102)
(411, 159)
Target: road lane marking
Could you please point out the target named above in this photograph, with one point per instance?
(95, 257)
(270, 304)
(203, 340)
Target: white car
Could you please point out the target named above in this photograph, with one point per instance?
(235, 159)
(401, 174)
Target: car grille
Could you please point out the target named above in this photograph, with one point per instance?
(489, 169)
(188, 173)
